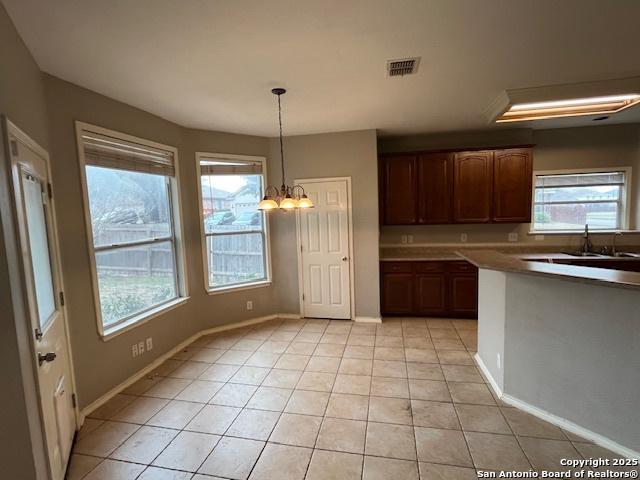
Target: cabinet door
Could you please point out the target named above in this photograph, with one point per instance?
(430, 293)
(397, 293)
(463, 294)
(400, 187)
(472, 189)
(512, 173)
(435, 182)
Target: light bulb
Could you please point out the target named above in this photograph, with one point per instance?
(305, 202)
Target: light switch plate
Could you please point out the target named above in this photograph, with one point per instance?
(410, 238)
(463, 237)
(134, 350)
(539, 238)
(513, 237)
(249, 304)
(140, 348)
(403, 239)
(149, 344)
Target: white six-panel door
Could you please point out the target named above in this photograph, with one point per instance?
(323, 234)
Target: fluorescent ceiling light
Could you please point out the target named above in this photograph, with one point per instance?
(568, 108)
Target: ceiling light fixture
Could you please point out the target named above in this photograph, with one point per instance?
(568, 108)
(286, 198)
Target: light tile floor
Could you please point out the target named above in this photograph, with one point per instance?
(321, 400)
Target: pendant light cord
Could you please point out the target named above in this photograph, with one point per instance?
(281, 144)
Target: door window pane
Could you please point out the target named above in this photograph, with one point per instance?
(134, 279)
(39, 249)
(235, 259)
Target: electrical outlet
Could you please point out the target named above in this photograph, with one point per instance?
(140, 348)
(404, 239)
(134, 350)
(499, 362)
(513, 237)
(539, 238)
(463, 237)
(409, 238)
(149, 344)
(249, 304)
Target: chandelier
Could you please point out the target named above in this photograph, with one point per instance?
(285, 198)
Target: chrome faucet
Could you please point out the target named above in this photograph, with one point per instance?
(614, 252)
(586, 241)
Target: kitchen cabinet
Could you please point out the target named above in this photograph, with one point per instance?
(512, 177)
(472, 187)
(443, 288)
(397, 287)
(429, 188)
(399, 188)
(435, 182)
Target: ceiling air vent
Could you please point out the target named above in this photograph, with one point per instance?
(404, 66)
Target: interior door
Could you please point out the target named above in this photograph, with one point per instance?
(324, 237)
(34, 212)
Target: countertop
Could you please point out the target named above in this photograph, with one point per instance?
(493, 260)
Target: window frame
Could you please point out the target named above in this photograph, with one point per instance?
(200, 156)
(176, 235)
(625, 199)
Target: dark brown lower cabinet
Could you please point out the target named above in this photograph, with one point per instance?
(463, 294)
(397, 291)
(430, 293)
(439, 288)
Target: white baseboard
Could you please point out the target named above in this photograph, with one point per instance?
(554, 419)
(368, 319)
(158, 361)
(485, 371)
(571, 427)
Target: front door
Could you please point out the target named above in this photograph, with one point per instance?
(324, 237)
(38, 241)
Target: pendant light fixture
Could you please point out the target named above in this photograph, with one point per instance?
(286, 198)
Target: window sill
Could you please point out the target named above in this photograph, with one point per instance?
(580, 232)
(238, 288)
(143, 318)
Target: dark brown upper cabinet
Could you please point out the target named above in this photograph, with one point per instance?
(482, 186)
(435, 179)
(472, 187)
(512, 177)
(399, 185)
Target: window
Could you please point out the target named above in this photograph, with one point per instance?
(235, 235)
(131, 192)
(567, 201)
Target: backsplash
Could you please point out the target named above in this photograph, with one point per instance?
(491, 235)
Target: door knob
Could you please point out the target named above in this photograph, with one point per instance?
(47, 357)
(344, 259)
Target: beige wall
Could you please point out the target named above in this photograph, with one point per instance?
(586, 147)
(347, 154)
(22, 101)
(102, 365)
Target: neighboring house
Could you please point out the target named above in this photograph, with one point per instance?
(214, 199)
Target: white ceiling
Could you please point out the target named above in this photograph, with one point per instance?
(211, 63)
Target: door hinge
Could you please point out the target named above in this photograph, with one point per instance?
(14, 148)
(303, 296)
(62, 298)
(38, 333)
(49, 190)
(301, 248)
(74, 402)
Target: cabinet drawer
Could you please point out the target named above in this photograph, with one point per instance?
(461, 267)
(396, 267)
(427, 267)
